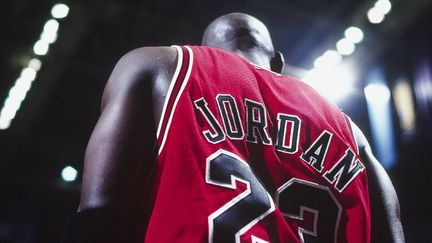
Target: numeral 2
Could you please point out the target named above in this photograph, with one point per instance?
(238, 215)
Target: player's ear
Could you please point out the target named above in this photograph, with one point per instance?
(277, 62)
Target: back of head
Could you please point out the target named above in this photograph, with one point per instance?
(242, 34)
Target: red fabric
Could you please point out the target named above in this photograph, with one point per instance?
(184, 199)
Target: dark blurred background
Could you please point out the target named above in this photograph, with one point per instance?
(54, 62)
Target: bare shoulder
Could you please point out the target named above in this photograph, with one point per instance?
(146, 57)
(384, 202)
(139, 67)
(365, 150)
(362, 141)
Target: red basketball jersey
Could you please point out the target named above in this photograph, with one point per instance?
(248, 155)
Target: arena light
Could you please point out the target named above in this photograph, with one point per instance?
(328, 60)
(379, 107)
(4, 123)
(28, 74)
(13, 101)
(377, 93)
(345, 47)
(8, 112)
(51, 26)
(334, 83)
(354, 34)
(10, 108)
(35, 64)
(19, 92)
(60, 11)
(375, 15)
(69, 174)
(16, 96)
(383, 6)
(23, 83)
(404, 104)
(40, 48)
(48, 37)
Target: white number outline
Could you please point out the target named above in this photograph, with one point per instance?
(236, 199)
(304, 208)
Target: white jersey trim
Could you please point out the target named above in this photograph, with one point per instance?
(168, 97)
(171, 86)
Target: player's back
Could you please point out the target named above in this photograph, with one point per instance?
(247, 155)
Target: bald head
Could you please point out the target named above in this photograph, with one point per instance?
(242, 34)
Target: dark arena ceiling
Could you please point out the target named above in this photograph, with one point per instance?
(55, 120)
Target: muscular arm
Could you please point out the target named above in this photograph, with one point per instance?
(118, 159)
(386, 222)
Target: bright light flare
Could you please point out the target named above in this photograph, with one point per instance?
(18, 93)
(16, 96)
(40, 48)
(383, 6)
(404, 103)
(328, 60)
(354, 34)
(377, 93)
(60, 11)
(28, 74)
(51, 26)
(48, 37)
(334, 83)
(35, 64)
(4, 123)
(10, 108)
(345, 47)
(69, 174)
(375, 16)
(23, 84)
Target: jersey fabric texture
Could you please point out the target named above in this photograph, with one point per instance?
(248, 155)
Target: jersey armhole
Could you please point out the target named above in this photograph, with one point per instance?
(177, 85)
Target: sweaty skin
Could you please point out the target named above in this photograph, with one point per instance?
(384, 203)
(118, 159)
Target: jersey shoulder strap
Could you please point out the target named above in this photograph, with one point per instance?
(177, 85)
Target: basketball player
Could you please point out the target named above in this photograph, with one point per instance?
(211, 144)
